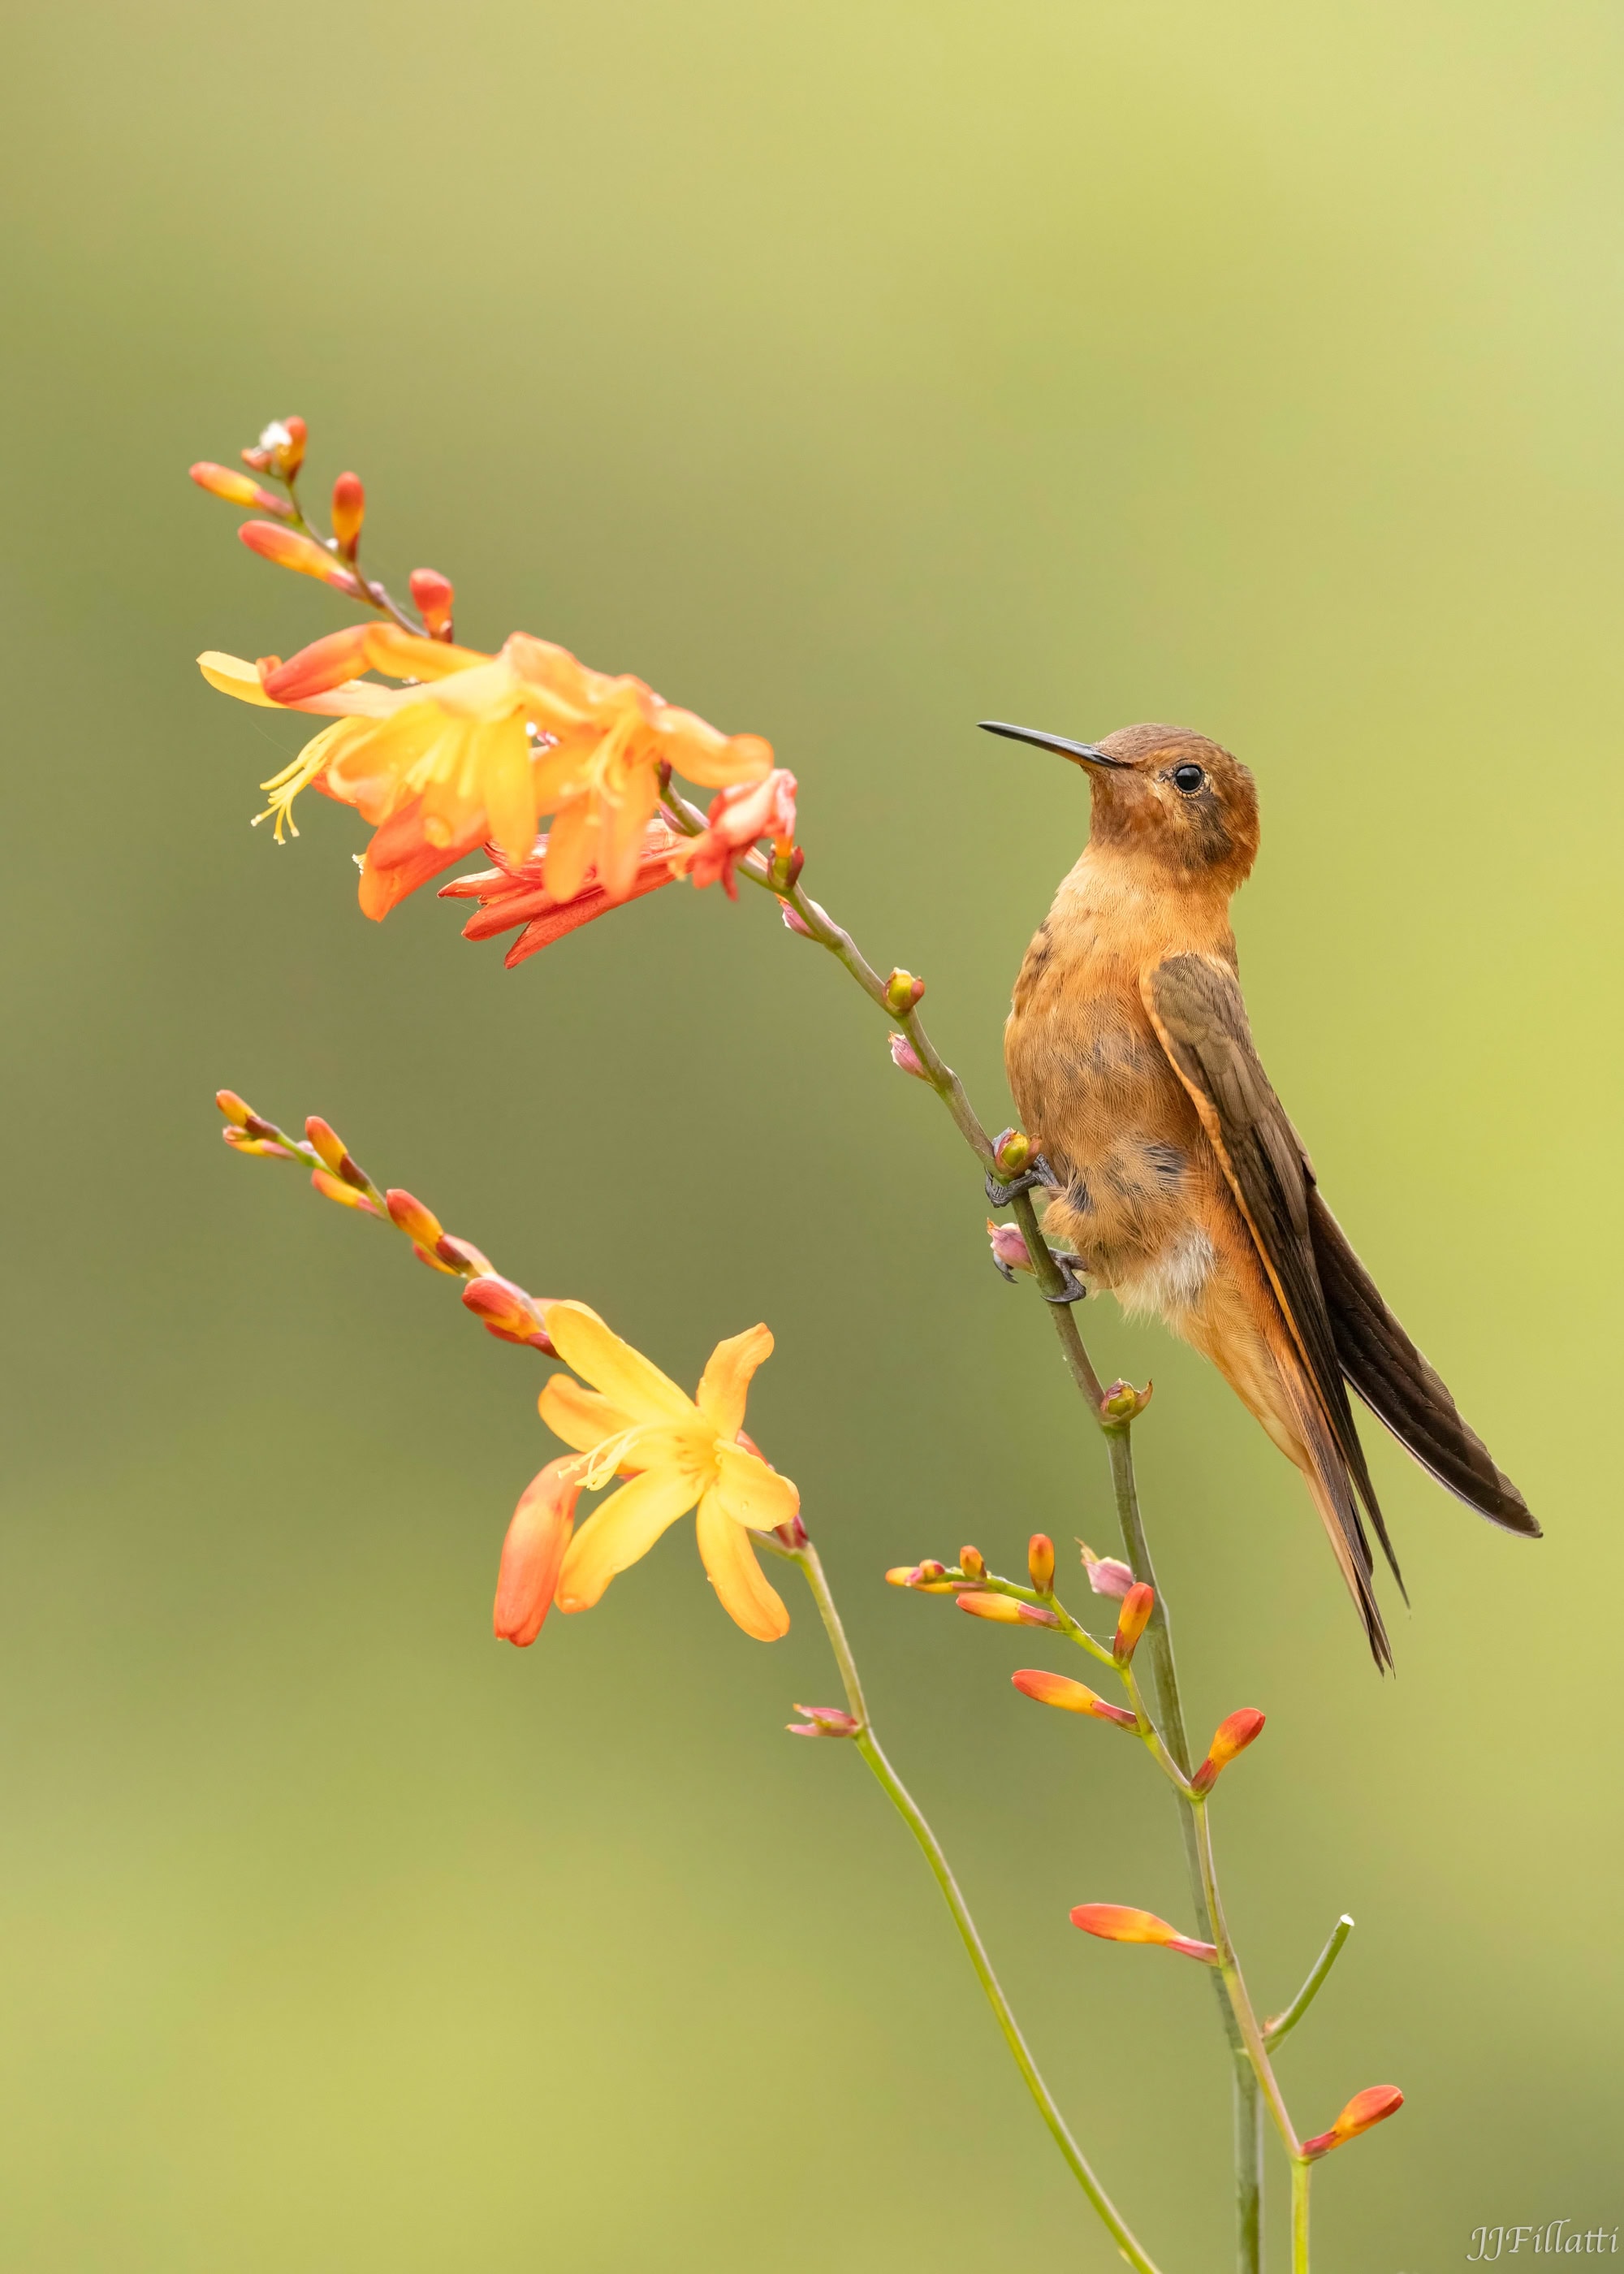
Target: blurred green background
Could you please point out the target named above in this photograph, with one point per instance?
(850, 373)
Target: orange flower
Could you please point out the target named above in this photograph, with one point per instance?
(480, 749)
(740, 817)
(512, 894)
(1373, 2105)
(678, 1453)
(1117, 1923)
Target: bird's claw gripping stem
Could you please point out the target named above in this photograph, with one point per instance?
(1039, 1173)
(1071, 1288)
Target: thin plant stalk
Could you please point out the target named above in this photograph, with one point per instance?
(903, 1801)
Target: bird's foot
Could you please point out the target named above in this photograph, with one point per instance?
(1072, 1289)
(1039, 1173)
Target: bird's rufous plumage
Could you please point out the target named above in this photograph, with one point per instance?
(1179, 1180)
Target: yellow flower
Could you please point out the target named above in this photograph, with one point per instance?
(679, 1452)
(479, 747)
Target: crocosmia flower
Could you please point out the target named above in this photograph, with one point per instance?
(515, 894)
(677, 1452)
(479, 749)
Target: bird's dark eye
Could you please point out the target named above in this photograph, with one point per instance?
(1188, 779)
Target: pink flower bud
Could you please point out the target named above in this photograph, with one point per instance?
(533, 1551)
(1107, 1575)
(823, 1721)
(794, 923)
(903, 1054)
(1008, 1246)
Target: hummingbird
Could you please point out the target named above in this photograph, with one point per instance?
(1170, 1163)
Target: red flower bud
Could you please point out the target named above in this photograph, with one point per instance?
(434, 597)
(349, 512)
(1070, 1696)
(1116, 1922)
(1373, 2105)
(1137, 1605)
(1231, 1736)
(1040, 1561)
(506, 1312)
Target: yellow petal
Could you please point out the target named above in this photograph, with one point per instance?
(508, 790)
(751, 1493)
(618, 1534)
(233, 676)
(579, 1415)
(619, 842)
(741, 1589)
(631, 1381)
(725, 1383)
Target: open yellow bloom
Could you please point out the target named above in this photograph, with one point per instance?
(479, 747)
(679, 1452)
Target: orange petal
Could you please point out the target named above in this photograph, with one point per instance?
(570, 846)
(532, 1554)
(741, 1589)
(619, 1532)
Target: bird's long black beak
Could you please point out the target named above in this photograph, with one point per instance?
(1086, 753)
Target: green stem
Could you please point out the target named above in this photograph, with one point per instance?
(1273, 2032)
(903, 1801)
(1299, 2216)
(1240, 2003)
(1248, 2167)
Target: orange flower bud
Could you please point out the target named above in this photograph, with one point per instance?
(506, 1312)
(462, 1256)
(434, 597)
(973, 1564)
(901, 1574)
(1040, 1561)
(823, 1721)
(334, 1189)
(533, 1551)
(1070, 1696)
(349, 512)
(902, 992)
(236, 489)
(236, 1109)
(1011, 1153)
(1373, 2105)
(1116, 1922)
(411, 1217)
(244, 1140)
(1231, 1736)
(1005, 1611)
(330, 1149)
(290, 550)
(1137, 1605)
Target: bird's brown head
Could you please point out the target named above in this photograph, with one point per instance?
(1167, 794)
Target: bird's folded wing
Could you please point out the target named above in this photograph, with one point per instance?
(1337, 1316)
(1196, 1006)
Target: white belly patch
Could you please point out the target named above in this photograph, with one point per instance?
(1174, 1282)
